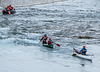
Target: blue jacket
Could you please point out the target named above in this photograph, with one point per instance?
(83, 52)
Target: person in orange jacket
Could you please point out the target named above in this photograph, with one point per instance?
(44, 39)
(6, 9)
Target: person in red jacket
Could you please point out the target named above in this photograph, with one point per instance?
(50, 41)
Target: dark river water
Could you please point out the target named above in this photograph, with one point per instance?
(71, 24)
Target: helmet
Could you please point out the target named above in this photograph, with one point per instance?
(50, 38)
(45, 34)
(9, 4)
(83, 46)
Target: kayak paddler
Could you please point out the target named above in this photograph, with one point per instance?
(83, 50)
(44, 39)
(50, 41)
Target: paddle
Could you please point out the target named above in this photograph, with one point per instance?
(76, 51)
(58, 45)
(39, 41)
(73, 54)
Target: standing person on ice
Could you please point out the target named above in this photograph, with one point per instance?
(83, 50)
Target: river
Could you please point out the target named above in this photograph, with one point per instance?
(71, 24)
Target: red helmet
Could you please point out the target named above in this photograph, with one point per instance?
(9, 4)
(50, 38)
(83, 46)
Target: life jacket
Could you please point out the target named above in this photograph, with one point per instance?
(9, 12)
(11, 8)
(44, 38)
(76, 51)
(49, 42)
(83, 52)
(8, 9)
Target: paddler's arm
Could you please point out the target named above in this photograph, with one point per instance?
(81, 51)
(41, 39)
(85, 50)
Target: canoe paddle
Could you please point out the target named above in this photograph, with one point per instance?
(39, 41)
(58, 45)
(73, 54)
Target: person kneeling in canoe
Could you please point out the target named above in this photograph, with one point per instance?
(83, 50)
(50, 41)
(44, 39)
